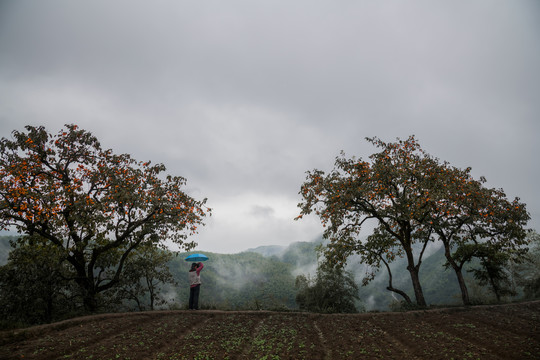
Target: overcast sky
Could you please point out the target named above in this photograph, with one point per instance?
(243, 97)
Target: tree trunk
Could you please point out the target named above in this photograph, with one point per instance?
(494, 286)
(459, 275)
(90, 302)
(390, 287)
(463, 287)
(152, 301)
(413, 271)
(400, 292)
(89, 295)
(84, 281)
(418, 293)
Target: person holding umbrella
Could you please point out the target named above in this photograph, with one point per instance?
(194, 277)
(195, 285)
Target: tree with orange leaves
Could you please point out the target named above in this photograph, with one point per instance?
(472, 220)
(412, 198)
(96, 206)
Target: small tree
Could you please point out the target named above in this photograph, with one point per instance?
(94, 206)
(493, 270)
(332, 291)
(144, 275)
(33, 285)
(527, 272)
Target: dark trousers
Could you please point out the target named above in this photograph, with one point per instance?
(194, 297)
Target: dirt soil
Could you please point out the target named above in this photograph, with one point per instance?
(482, 332)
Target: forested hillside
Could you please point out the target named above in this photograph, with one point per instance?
(239, 281)
(249, 279)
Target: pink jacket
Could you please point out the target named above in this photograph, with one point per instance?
(195, 276)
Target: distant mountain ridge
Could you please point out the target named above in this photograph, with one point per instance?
(268, 250)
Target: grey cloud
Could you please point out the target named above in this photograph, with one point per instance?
(262, 211)
(246, 96)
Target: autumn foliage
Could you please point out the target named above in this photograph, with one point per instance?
(93, 204)
(412, 199)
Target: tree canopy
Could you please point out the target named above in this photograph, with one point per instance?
(95, 206)
(413, 199)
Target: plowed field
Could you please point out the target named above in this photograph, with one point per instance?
(483, 332)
